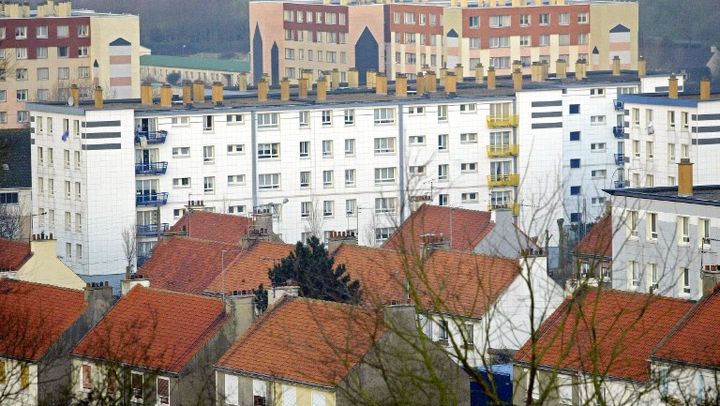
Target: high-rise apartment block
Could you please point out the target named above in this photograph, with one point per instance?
(46, 49)
(296, 39)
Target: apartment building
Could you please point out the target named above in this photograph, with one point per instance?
(44, 50)
(314, 37)
(309, 162)
(664, 128)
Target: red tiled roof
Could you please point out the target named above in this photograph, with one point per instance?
(627, 327)
(13, 254)
(250, 268)
(154, 329)
(696, 340)
(34, 316)
(187, 265)
(305, 340)
(598, 242)
(206, 225)
(464, 283)
(465, 228)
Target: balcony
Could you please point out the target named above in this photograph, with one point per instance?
(619, 106)
(503, 121)
(151, 199)
(151, 168)
(621, 159)
(150, 137)
(515, 207)
(503, 179)
(494, 151)
(619, 132)
(622, 184)
(151, 230)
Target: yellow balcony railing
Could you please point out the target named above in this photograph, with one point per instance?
(503, 121)
(503, 150)
(505, 179)
(515, 207)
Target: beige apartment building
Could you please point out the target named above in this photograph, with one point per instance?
(44, 50)
(322, 39)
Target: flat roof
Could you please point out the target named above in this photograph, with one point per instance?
(662, 99)
(192, 62)
(467, 90)
(707, 195)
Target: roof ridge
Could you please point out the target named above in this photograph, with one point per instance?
(179, 293)
(45, 285)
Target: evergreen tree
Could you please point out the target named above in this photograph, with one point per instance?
(311, 268)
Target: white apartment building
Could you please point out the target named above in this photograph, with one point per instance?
(350, 162)
(662, 130)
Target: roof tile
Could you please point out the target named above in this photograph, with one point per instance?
(210, 226)
(250, 268)
(13, 255)
(598, 242)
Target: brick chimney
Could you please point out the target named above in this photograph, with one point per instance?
(321, 91)
(370, 78)
(187, 92)
(99, 102)
(420, 84)
(642, 67)
(673, 87)
(400, 85)
(217, 93)
(479, 73)
(99, 298)
(353, 78)
(430, 242)
(198, 91)
(705, 88)
(450, 83)
(75, 93)
(166, 95)
(685, 177)
(561, 69)
(459, 73)
(242, 82)
(335, 75)
(240, 305)
(262, 90)
(338, 238)
(285, 89)
(616, 66)
(517, 80)
(430, 82)
(381, 84)
(302, 88)
(276, 293)
(491, 78)
(135, 279)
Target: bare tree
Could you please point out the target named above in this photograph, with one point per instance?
(129, 241)
(11, 221)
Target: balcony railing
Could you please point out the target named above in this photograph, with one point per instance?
(503, 179)
(622, 184)
(151, 168)
(515, 207)
(150, 137)
(151, 229)
(619, 106)
(151, 199)
(619, 132)
(621, 159)
(503, 121)
(503, 150)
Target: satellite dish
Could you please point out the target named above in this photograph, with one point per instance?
(71, 101)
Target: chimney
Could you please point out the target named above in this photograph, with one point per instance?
(308, 74)
(262, 90)
(278, 292)
(99, 97)
(450, 83)
(459, 73)
(321, 91)
(240, 305)
(381, 83)
(561, 69)
(338, 238)
(285, 89)
(187, 92)
(443, 72)
(242, 82)
(217, 92)
(335, 75)
(705, 88)
(166, 95)
(535, 72)
(479, 73)
(420, 84)
(135, 279)
(263, 220)
(430, 82)
(673, 87)
(579, 64)
(198, 91)
(516, 65)
(491, 78)
(370, 79)
(146, 97)
(353, 78)
(642, 67)
(400, 85)
(99, 298)
(616, 66)
(302, 88)
(430, 242)
(685, 177)
(544, 70)
(517, 79)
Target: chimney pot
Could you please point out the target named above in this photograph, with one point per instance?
(217, 92)
(166, 95)
(198, 91)
(187, 92)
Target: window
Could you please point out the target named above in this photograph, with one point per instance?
(51, 159)
(583, 18)
(63, 31)
(180, 152)
(235, 148)
(328, 178)
(68, 192)
(349, 117)
(671, 119)
(232, 394)
(267, 151)
(83, 52)
(685, 280)
(525, 42)
(207, 123)
(468, 108)
(235, 180)
(564, 18)
(176, 121)
(51, 186)
(78, 222)
(267, 120)
(63, 52)
(350, 147)
(10, 198)
(525, 19)
(469, 197)
(83, 31)
(443, 199)
(649, 153)
(350, 206)
(575, 163)
(21, 53)
(636, 148)
(598, 201)
(236, 209)
(136, 387)
(384, 145)
(21, 74)
(21, 95)
(443, 170)
(442, 113)
(385, 115)
(305, 209)
(417, 140)
(499, 42)
(43, 74)
(468, 167)
(652, 226)
(63, 73)
(544, 40)
(234, 118)
(304, 118)
(598, 147)
(671, 153)
(632, 223)
(442, 142)
(163, 391)
(385, 205)
(544, 19)
(583, 38)
(304, 149)
(597, 120)
(383, 233)
(704, 232)
(634, 274)
(327, 148)
(208, 154)
(384, 175)
(327, 117)
(78, 191)
(574, 190)
(474, 21)
(684, 151)
(635, 113)
(328, 208)
(684, 119)
(683, 229)
(305, 179)
(209, 184)
(269, 181)
(349, 177)
(468, 138)
(499, 21)
(20, 32)
(574, 109)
